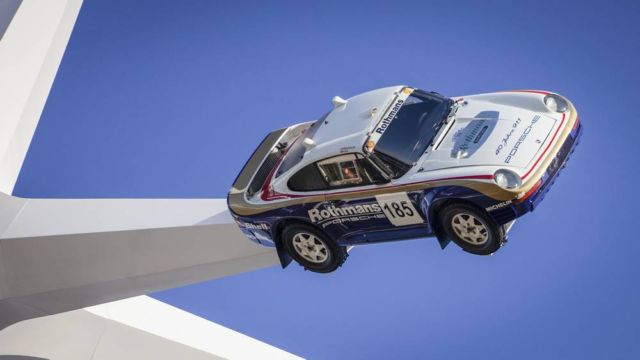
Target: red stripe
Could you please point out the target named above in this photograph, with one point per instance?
(547, 148)
(531, 91)
(266, 191)
(279, 196)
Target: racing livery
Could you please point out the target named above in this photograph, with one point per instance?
(402, 163)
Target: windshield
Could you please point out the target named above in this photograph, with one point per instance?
(410, 132)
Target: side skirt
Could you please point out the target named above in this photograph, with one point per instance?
(414, 232)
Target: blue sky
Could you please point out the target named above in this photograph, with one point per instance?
(168, 99)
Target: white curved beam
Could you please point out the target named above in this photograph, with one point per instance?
(60, 255)
(63, 254)
(136, 328)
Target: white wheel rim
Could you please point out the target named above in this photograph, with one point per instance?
(310, 247)
(470, 229)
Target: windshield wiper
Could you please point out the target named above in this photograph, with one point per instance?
(447, 120)
(395, 163)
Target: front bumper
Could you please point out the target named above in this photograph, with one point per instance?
(552, 172)
(520, 207)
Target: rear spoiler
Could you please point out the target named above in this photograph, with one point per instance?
(255, 171)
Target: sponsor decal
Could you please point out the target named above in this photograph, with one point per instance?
(347, 149)
(479, 136)
(521, 139)
(474, 135)
(330, 211)
(505, 139)
(396, 207)
(252, 226)
(499, 205)
(349, 219)
(388, 116)
(384, 124)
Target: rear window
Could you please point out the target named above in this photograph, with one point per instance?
(264, 170)
(307, 179)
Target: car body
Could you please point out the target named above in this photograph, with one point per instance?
(384, 165)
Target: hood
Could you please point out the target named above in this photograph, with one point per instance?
(492, 134)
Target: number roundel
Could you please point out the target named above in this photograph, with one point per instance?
(399, 209)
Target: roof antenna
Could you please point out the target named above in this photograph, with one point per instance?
(337, 101)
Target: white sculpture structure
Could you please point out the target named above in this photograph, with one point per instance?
(58, 255)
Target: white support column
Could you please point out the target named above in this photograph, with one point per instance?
(58, 255)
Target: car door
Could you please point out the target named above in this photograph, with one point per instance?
(361, 209)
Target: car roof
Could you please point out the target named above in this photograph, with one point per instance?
(346, 127)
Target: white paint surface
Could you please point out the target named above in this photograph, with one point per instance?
(135, 328)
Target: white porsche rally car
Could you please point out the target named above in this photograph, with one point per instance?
(402, 163)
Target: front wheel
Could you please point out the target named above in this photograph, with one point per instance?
(471, 229)
(312, 249)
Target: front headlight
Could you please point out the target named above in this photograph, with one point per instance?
(507, 179)
(556, 103)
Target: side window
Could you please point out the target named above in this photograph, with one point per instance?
(341, 171)
(349, 170)
(307, 179)
(371, 171)
(334, 173)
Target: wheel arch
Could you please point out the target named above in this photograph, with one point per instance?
(434, 216)
(277, 231)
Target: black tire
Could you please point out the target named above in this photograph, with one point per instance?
(467, 225)
(326, 255)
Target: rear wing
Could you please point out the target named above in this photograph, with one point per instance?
(255, 171)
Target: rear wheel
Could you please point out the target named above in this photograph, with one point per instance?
(471, 229)
(312, 249)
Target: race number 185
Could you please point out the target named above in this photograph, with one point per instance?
(399, 209)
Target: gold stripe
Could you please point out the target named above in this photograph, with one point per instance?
(240, 206)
